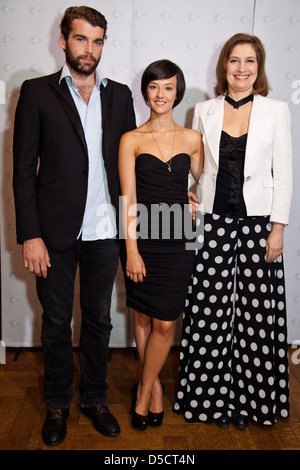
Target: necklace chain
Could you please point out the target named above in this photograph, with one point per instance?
(168, 163)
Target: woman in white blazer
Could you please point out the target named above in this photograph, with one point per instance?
(233, 362)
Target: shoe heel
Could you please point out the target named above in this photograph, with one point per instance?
(156, 419)
(134, 401)
(137, 421)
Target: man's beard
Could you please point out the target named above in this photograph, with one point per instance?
(78, 66)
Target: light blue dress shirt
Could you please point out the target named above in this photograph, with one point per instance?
(99, 220)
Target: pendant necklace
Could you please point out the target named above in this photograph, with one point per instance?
(237, 104)
(168, 163)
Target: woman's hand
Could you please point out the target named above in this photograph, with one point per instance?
(135, 267)
(274, 246)
(193, 204)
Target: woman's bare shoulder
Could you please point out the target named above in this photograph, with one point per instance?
(135, 134)
(190, 133)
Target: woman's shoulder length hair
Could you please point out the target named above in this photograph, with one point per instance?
(261, 85)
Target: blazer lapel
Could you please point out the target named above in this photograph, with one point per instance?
(212, 123)
(62, 93)
(257, 126)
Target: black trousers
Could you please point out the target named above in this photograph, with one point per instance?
(98, 261)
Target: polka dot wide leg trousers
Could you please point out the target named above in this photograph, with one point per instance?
(234, 340)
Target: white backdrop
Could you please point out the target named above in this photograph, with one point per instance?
(189, 32)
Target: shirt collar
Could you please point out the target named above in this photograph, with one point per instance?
(65, 73)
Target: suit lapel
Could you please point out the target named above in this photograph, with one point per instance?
(106, 106)
(212, 123)
(62, 93)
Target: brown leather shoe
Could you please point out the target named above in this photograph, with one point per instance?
(55, 427)
(103, 421)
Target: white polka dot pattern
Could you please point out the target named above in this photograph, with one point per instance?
(234, 341)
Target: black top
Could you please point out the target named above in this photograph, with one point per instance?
(154, 183)
(162, 196)
(229, 199)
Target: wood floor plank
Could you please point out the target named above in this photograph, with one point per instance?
(9, 407)
(176, 442)
(23, 410)
(25, 420)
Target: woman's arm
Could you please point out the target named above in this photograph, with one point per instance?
(197, 155)
(135, 267)
(282, 166)
(283, 181)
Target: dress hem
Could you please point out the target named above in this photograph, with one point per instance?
(267, 422)
(152, 315)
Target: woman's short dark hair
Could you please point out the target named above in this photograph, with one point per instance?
(94, 17)
(261, 85)
(162, 70)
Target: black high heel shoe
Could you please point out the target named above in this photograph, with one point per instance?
(138, 421)
(156, 419)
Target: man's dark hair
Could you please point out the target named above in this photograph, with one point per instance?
(94, 17)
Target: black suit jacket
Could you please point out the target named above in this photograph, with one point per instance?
(51, 158)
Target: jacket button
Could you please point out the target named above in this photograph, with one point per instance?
(85, 173)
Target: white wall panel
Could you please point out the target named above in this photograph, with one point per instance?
(190, 33)
(277, 24)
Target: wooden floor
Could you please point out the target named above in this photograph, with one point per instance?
(22, 412)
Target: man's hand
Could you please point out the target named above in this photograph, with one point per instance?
(36, 257)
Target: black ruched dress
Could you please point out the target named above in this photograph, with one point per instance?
(165, 236)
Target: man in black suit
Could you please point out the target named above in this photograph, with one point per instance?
(66, 187)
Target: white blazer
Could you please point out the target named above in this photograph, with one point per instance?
(267, 186)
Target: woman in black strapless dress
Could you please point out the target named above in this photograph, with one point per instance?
(154, 164)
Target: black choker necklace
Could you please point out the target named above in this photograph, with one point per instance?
(237, 104)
